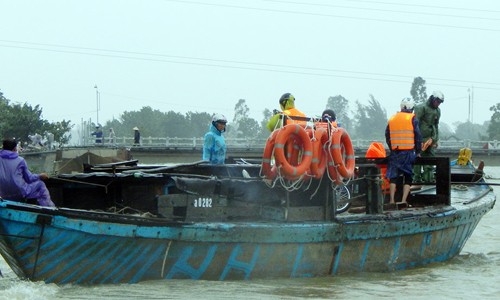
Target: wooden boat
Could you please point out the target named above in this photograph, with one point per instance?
(126, 224)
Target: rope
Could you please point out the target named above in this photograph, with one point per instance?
(63, 166)
(123, 211)
(318, 186)
(290, 185)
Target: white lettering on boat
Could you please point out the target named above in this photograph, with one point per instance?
(203, 202)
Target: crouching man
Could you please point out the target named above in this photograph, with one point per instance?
(16, 181)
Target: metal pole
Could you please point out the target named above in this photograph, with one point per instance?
(472, 105)
(468, 117)
(97, 103)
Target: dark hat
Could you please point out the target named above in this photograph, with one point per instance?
(9, 144)
(328, 113)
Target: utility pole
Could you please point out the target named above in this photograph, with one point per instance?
(468, 116)
(98, 102)
(472, 105)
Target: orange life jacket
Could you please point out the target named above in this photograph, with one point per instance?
(294, 113)
(401, 131)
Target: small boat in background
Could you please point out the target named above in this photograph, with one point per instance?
(463, 166)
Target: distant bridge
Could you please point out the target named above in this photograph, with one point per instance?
(153, 148)
(186, 150)
(451, 145)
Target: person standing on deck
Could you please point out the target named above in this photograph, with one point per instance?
(403, 137)
(16, 181)
(287, 104)
(329, 116)
(428, 115)
(214, 145)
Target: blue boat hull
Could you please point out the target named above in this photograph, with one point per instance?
(55, 246)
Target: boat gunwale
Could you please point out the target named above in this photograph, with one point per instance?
(399, 222)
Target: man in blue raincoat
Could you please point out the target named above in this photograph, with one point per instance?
(214, 146)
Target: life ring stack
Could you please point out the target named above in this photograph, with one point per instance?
(298, 152)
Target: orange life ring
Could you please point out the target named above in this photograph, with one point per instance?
(342, 154)
(292, 147)
(320, 157)
(289, 170)
(269, 171)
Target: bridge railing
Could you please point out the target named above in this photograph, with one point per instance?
(176, 142)
(247, 143)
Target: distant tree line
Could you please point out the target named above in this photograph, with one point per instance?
(152, 122)
(365, 122)
(21, 120)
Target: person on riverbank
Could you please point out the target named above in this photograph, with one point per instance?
(428, 115)
(137, 136)
(214, 145)
(112, 136)
(403, 137)
(16, 181)
(50, 140)
(287, 104)
(98, 134)
(36, 141)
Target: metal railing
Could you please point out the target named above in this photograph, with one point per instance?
(247, 143)
(175, 142)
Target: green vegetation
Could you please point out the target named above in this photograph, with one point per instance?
(20, 120)
(494, 127)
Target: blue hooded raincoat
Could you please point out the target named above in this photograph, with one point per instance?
(214, 146)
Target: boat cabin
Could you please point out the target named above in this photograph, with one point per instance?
(236, 192)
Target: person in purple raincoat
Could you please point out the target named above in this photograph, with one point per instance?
(16, 181)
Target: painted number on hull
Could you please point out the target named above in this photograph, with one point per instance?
(203, 202)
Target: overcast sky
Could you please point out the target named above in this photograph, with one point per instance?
(204, 55)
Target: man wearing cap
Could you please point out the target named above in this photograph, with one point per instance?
(428, 115)
(16, 181)
(287, 104)
(98, 134)
(137, 136)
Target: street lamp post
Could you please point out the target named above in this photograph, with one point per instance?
(98, 102)
(471, 104)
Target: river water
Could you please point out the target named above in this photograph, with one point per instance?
(474, 274)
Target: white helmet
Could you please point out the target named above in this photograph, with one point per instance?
(219, 118)
(438, 95)
(407, 104)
